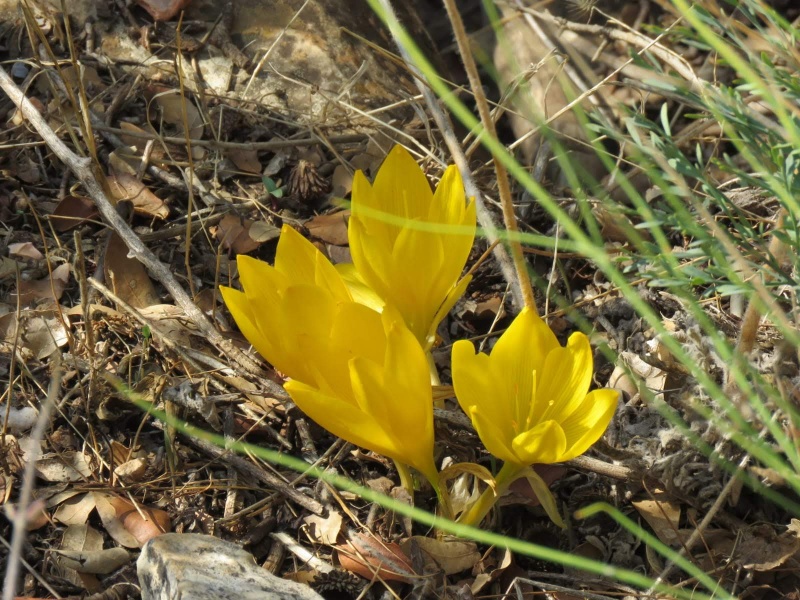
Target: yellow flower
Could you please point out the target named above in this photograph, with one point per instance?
(258, 309)
(360, 374)
(528, 400)
(409, 245)
(529, 404)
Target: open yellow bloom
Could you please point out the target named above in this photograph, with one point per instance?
(360, 374)
(528, 400)
(409, 245)
(529, 404)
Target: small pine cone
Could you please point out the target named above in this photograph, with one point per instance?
(306, 183)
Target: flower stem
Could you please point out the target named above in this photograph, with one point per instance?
(503, 185)
(475, 514)
(406, 479)
(434, 378)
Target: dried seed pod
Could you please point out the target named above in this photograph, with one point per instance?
(306, 183)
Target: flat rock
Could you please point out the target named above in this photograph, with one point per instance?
(177, 566)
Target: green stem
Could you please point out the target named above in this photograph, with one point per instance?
(406, 479)
(475, 514)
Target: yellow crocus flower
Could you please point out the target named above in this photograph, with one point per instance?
(528, 401)
(358, 373)
(409, 245)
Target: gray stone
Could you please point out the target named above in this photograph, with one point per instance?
(201, 567)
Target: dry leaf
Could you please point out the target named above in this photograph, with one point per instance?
(8, 267)
(330, 228)
(100, 562)
(25, 250)
(171, 105)
(449, 555)
(662, 515)
(368, 557)
(19, 420)
(47, 288)
(81, 538)
(235, 234)
(130, 527)
(75, 510)
(71, 212)
(66, 466)
(245, 159)
(126, 276)
(171, 321)
(145, 202)
(324, 530)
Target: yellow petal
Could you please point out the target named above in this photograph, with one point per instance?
(301, 262)
(544, 444)
(566, 378)
(590, 421)
(449, 201)
(239, 307)
(494, 436)
(400, 186)
(359, 290)
(341, 418)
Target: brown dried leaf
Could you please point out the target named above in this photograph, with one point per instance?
(171, 105)
(449, 555)
(170, 321)
(66, 466)
(71, 212)
(245, 159)
(330, 228)
(324, 530)
(662, 515)
(368, 557)
(75, 510)
(47, 288)
(145, 202)
(131, 526)
(243, 236)
(25, 250)
(81, 538)
(126, 276)
(99, 562)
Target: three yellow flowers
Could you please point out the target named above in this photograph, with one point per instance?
(353, 339)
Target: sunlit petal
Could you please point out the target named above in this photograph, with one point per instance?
(545, 443)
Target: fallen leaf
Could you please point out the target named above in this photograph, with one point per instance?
(71, 212)
(66, 466)
(47, 288)
(171, 321)
(131, 526)
(98, 562)
(171, 105)
(234, 234)
(324, 530)
(662, 515)
(8, 267)
(370, 558)
(80, 538)
(19, 420)
(145, 202)
(449, 555)
(245, 159)
(126, 276)
(25, 250)
(75, 510)
(330, 228)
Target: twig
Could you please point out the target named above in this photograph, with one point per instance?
(20, 519)
(83, 170)
(503, 184)
(446, 128)
(259, 474)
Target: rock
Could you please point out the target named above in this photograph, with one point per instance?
(198, 567)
